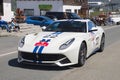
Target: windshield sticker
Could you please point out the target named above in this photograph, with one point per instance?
(53, 35)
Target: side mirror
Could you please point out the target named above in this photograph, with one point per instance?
(93, 29)
(43, 28)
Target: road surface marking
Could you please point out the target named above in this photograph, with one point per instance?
(5, 54)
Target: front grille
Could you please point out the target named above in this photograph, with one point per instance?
(41, 57)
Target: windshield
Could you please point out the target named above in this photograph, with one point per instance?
(73, 16)
(67, 26)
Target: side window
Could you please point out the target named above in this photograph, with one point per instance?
(90, 25)
(37, 18)
(69, 15)
(55, 26)
(40, 19)
(93, 24)
(68, 10)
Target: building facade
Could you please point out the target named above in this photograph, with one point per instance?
(34, 7)
(83, 11)
(6, 10)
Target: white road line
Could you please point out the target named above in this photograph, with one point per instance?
(5, 54)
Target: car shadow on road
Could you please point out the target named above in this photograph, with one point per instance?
(14, 63)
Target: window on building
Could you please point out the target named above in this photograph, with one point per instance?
(13, 5)
(68, 10)
(75, 11)
(29, 12)
(77, 0)
(1, 7)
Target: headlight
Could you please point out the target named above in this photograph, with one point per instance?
(22, 41)
(66, 44)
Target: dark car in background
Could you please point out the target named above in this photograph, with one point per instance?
(39, 20)
(62, 15)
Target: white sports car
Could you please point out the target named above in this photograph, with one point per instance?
(64, 43)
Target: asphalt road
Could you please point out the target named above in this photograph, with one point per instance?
(101, 66)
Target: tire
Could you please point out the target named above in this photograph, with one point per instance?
(82, 54)
(102, 44)
(118, 23)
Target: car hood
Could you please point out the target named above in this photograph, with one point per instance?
(50, 41)
(52, 36)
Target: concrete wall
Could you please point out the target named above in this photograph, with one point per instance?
(56, 5)
(8, 14)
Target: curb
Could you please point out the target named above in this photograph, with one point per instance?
(24, 29)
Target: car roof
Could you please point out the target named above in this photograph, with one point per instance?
(38, 16)
(45, 17)
(59, 12)
(82, 20)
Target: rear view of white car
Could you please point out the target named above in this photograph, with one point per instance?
(63, 43)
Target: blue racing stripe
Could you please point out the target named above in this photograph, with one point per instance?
(41, 49)
(55, 34)
(35, 49)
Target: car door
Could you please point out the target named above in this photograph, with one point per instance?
(41, 21)
(37, 20)
(93, 36)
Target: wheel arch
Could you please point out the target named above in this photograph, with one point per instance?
(102, 43)
(79, 64)
(85, 43)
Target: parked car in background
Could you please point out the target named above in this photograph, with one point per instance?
(64, 43)
(115, 18)
(52, 17)
(62, 15)
(39, 20)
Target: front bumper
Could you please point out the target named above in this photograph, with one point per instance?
(43, 59)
